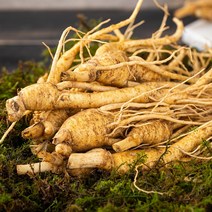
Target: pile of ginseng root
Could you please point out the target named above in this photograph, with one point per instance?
(134, 98)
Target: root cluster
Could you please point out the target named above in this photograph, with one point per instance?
(147, 98)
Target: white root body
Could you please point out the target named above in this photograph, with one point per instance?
(96, 158)
(122, 160)
(93, 131)
(34, 168)
(45, 124)
(103, 159)
(150, 133)
(56, 99)
(107, 54)
(188, 143)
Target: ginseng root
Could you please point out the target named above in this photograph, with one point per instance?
(52, 98)
(107, 55)
(121, 160)
(103, 159)
(115, 53)
(85, 130)
(189, 142)
(67, 58)
(151, 132)
(46, 124)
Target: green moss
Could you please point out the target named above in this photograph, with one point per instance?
(26, 73)
(4, 198)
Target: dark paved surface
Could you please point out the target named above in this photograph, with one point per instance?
(21, 32)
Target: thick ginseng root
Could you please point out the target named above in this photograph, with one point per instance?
(96, 158)
(156, 72)
(152, 132)
(111, 54)
(46, 96)
(108, 54)
(83, 131)
(141, 73)
(188, 143)
(103, 159)
(46, 124)
(121, 161)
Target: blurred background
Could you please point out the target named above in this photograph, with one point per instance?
(25, 24)
(79, 4)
